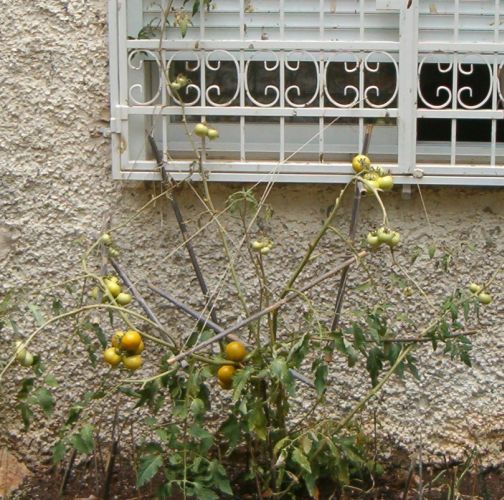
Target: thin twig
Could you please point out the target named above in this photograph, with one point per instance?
(271, 308)
(68, 471)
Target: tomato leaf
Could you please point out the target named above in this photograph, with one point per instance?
(58, 452)
(36, 313)
(231, 429)
(321, 373)
(51, 380)
(240, 380)
(83, 440)
(203, 493)
(358, 335)
(147, 468)
(300, 458)
(46, 401)
(374, 364)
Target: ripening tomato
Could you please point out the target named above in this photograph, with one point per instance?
(226, 373)
(235, 351)
(132, 362)
(111, 356)
(131, 340)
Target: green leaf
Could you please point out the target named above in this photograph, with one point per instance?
(26, 414)
(97, 330)
(299, 350)
(58, 452)
(51, 380)
(306, 444)
(358, 335)
(321, 373)
(300, 458)
(37, 314)
(240, 380)
(374, 364)
(431, 250)
(57, 307)
(196, 7)
(197, 407)
(83, 440)
(46, 401)
(203, 493)
(219, 477)
(231, 429)
(256, 421)
(147, 468)
(279, 369)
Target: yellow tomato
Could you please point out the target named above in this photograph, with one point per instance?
(225, 374)
(113, 287)
(235, 351)
(111, 357)
(132, 362)
(116, 338)
(131, 340)
(360, 163)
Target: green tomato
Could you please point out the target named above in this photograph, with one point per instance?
(385, 235)
(27, 360)
(106, 239)
(474, 288)
(386, 183)
(201, 130)
(257, 245)
(372, 186)
(123, 299)
(485, 298)
(396, 237)
(20, 351)
(213, 134)
(373, 240)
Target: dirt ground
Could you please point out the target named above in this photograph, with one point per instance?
(86, 481)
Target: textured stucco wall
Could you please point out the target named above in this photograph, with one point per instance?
(56, 191)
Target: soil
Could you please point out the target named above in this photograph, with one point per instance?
(86, 481)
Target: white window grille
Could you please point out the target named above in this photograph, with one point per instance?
(291, 85)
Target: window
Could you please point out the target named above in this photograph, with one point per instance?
(291, 85)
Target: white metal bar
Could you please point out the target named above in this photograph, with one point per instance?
(407, 98)
(265, 112)
(275, 45)
(451, 180)
(115, 119)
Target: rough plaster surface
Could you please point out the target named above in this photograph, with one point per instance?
(56, 191)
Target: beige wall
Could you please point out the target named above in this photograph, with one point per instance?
(56, 191)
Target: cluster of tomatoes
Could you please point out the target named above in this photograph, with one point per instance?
(382, 236)
(203, 130)
(180, 82)
(126, 348)
(115, 289)
(375, 177)
(235, 351)
(263, 246)
(106, 239)
(484, 297)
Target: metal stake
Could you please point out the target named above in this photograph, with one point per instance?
(353, 229)
(183, 229)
